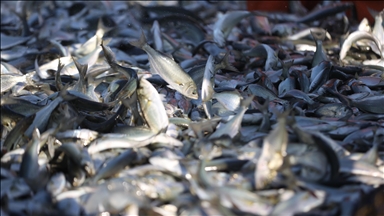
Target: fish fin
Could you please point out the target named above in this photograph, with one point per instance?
(371, 155)
(319, 35)
(226, 64)
(286, 65)
(82, 68)
(168, 55)
(109, 55)
(102, 28)
(246, 102)
(58, 82)
(141, 42)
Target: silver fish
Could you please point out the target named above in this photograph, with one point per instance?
(355, 36)
(320, 54)
(232, 127)
(10, 80)
(168, 69)
(272, 155)
(225, 23)
(152, 106)
(156, 31)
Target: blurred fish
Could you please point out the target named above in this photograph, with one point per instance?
(156, 31)
(320, 54)
(232, 127)
(225, 24)
(272, 155)
(355, 36)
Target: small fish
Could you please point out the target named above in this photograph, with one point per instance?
(319, 75)
(168, 69)
(152, 106)
(272, 155)
(232, 127)
(371, 104)
(229, 99)
(307, 32)
(355, 36)
(42, 116)
(197, 72)
(209, 75)
(156, 31)
(378, 32)
(320, 54)
(308, 200)
(10, 80)
(225, 24)
(265, 51)
(115, 165)
(11, 41)
(29, 166)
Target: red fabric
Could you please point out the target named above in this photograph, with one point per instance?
(361, 6)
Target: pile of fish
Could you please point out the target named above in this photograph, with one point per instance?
(190, 108)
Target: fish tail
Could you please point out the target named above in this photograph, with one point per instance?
(226, 64)
(319, 35)
(286, 65)
(109, 55)
(246, 102)
(102, 28)
(141, 42)
(82, 68)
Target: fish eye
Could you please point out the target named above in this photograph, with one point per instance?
(194, 92)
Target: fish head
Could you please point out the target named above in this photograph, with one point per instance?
(189, 89)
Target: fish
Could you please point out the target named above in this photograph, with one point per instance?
(168, 69)
(152, 106)
(232, 127)
(355, 36)
(307, 32)
(225, 24)
(42, 116)
(115, 165)
(10, 80)
(320, 54)
(272, 155)
(264, 50)
(29, 166)
(11, 41)
(157, 36)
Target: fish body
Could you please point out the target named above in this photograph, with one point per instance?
(232, 127)
(359, 35)
(168, 69)
(320, 54)
(152, 106)
(272, 155)
(225, 24)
